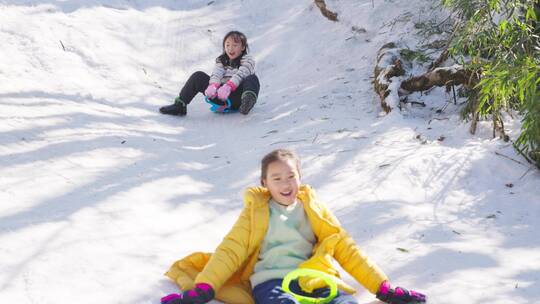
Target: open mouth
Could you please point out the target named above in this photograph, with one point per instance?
(289, 193)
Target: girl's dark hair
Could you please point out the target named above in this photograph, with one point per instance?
(237, 37)
(278, 155)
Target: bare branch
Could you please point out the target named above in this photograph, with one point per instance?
(327, 13)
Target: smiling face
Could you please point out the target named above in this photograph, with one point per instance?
(282, 180)
(233, 47)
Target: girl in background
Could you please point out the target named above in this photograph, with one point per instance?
(233, 78)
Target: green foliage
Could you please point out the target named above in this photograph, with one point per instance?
(499, 41)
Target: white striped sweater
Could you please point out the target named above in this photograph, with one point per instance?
(222, 74)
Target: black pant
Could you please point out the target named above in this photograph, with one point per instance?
(198, 82)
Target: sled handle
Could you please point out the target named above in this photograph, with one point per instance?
(295, 274)
(226, 108)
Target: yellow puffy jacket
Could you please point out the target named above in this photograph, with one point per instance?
(228, 270)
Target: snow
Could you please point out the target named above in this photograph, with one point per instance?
(100, 193)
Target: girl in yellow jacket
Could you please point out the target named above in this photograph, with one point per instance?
(282, 227)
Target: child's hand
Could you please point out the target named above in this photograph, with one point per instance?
(211, 91)
(202, 293)
(225, 90)
(168, 298)
(399, 295)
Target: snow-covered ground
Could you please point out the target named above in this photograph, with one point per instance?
(99, 193)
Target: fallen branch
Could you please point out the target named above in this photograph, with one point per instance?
(532, 158)
(388, 65)
(435, 118)
(514, 160)
(526, 172)
(447, 76)
(327, 13)
(392, 92)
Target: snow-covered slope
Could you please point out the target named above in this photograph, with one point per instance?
(99, 193)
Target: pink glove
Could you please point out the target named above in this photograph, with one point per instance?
(225, 90)
(202, 293)
(211, 91)
(399, 295)
(168, 298)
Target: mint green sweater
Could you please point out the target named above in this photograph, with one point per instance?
(288, 242)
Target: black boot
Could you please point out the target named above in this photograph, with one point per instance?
(177, 108)
(248, 100)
